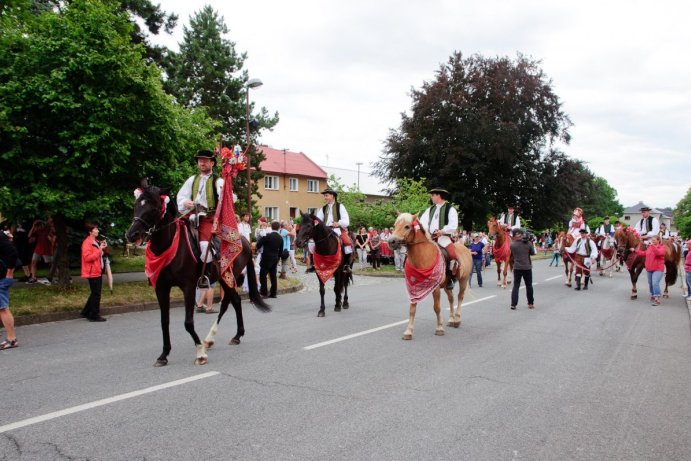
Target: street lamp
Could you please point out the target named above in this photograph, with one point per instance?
(251, 83)
(358, 175)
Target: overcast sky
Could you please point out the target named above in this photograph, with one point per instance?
(340, 74)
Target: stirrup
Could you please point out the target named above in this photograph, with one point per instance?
(203, 282)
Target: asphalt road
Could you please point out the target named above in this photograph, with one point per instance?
(586, 375)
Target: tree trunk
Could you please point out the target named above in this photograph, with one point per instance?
(61, 263)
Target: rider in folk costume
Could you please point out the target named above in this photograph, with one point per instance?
(605, 228)
(585, 247)
(664, 232)
(647, 226)
(510, 220)
(198, 198)
(577, 223)
(335, 216)
(441, 221)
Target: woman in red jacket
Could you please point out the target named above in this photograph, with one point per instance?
(654, 266)
(92, 270)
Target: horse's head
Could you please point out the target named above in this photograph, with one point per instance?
(625, 238)
(608, 242)
(404, 230)
(492, 226)
(307, 225)
(151, 206)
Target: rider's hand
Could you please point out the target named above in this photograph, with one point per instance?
(188, 203)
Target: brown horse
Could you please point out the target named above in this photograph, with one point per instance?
(422, 256)
(502, 251)
(628, 238)
(566, 240)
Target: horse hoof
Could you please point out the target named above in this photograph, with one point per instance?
(201, 361)
(346, 305)
(161, 363)
(320, 314)
(209, 344)
(407, 336)
(453, 323)
(568, 285)
(234, 341)
(634, 297)
(337, 309)
(439, 333)
(665, 296)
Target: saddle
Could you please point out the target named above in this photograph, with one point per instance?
(448, 261)
(215, 248)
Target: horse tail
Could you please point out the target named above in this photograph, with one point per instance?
(254, 295)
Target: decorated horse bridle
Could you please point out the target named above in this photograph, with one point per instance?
(153, 228)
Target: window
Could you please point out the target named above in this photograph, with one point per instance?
(293, 184)
(627, 218)
(312, 185)
(271, 182)
(293, 212)
(271, 213)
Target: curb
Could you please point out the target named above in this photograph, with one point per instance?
(122, 309)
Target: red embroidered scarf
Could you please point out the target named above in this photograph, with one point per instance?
(231, 243)
(422, 282)
(502, 253)
(326, 265)
(154, 264)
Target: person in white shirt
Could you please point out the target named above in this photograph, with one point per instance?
(335, 216)
(664, 232)
(585, 247)
(648, 226)
(510, 220)
(441, 221)
(198, 198)
(244, 226)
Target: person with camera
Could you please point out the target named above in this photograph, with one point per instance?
(521, 250)
(92, 270)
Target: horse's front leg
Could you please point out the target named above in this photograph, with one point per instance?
(498, 264)
(634, 280)
(504, 272)
(436, 296)
(163, 297)
(210, 339)
(408, 334)
(201, 357)
(322, 307)
(346, 281)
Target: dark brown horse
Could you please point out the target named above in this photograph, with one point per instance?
(422, 255)
(502, 251)
(327, 246)
(566, 240)
(155, 221)
(628, 238)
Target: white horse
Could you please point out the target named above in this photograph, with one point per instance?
(608, 256)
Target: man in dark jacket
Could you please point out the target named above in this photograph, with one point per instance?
(8, 260)
(521, 250)
(272, 245)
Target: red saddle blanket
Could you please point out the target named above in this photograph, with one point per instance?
(325, 265)
(422, 282)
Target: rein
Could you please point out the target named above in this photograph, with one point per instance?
(152, 229)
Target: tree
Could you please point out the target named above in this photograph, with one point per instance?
(682, 215)
(484, 129)
(83, 117)
(207, 72)
(602, 200)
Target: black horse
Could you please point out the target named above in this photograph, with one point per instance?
(326, 243)
(155, 221)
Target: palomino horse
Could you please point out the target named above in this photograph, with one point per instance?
(329, 259)
(608, 255)
(169, 249)
(628, 238)
(566, 240)
(502, 251)
(421, 258)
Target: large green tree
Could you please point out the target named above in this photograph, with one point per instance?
(601, 200)
(208, 72)
(682, 215)
(83, 117)
(485, 129)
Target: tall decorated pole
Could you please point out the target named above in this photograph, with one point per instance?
(232, 162)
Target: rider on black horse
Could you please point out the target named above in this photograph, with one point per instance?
(335, 216)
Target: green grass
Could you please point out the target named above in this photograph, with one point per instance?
(42, 299)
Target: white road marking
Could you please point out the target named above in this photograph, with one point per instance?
(552, 278)
(99, 403)
(374, 330)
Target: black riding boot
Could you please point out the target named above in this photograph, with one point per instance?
(449, 280)
(578, 282)
(585, 284)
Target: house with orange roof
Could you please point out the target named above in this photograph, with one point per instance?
(292, 184)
